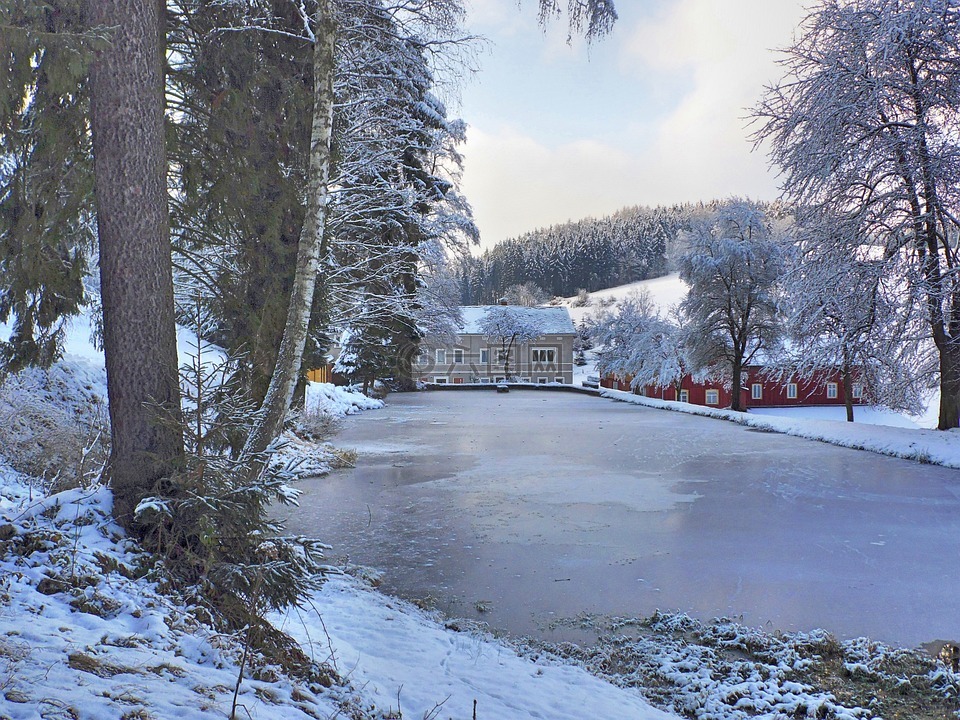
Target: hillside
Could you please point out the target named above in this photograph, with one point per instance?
(594, 253)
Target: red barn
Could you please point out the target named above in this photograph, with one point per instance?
(825, 388)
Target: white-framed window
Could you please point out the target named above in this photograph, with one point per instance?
(524, 380)
(441, 356)
(832, 391)
(484, 356)
(542, 380)
(458, 355)
(791, 391)
(485, 381)
(857, 391)
(440, 380)
(756, 391)
(543, 355)
(713, 397)
(558, 380)
(684, 396)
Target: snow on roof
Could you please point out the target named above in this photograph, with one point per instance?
(555, 320)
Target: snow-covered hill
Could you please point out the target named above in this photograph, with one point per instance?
(665, 292)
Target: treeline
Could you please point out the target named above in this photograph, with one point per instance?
(633, 244)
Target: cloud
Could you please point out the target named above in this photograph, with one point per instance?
(699, 65)
(517, 183)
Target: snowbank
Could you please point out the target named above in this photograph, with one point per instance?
(84, 632)
(327, 399)
(925, 446)
(408, 662)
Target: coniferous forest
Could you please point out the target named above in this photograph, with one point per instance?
(594, 253)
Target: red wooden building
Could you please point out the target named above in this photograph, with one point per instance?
(758, 390)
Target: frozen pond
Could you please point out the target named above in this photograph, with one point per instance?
(538, 506)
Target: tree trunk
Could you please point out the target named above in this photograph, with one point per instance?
(136, 282)
(404, 366)
(949, 387)
(848, 391)
(290, 355)
(736, 400)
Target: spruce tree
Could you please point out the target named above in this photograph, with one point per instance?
(46, 175)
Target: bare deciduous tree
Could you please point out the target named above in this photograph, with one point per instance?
(732, 266)
(865, 125)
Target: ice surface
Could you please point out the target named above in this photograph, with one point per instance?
(544, 505)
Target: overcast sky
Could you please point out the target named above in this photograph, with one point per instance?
(652, 114)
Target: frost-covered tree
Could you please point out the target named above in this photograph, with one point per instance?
(865, 125)
(635, 340)
(842, 318)
(732, 266)
(508, 327)
(527, 294)
(46, 175)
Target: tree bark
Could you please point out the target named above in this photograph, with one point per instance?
(736, 400)
(279, 394)
(949, 387)
(848, 391)
(136, 282)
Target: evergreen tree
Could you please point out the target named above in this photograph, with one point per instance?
(136, 282)
(46, 175)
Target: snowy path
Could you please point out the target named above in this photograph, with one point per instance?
(389, 648)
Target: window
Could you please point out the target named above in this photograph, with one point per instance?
(485, 381)
(458, 356)
(484, 356)
(791, 391)
(558, 380)
(756, 391)
(458, 381)
(684, 396)
(542, 380)
(440, 380)
(857, 391)
(441, 356)
(543, 355)
(524, 380)
(713, 397)
(832, 391)
(501, 379)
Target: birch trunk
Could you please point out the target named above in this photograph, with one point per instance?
(279, 394)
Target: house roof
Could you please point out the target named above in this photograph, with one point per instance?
(554, 320)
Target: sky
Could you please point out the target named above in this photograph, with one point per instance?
(654, 113)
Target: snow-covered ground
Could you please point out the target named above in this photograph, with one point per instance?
(407, 661)
(665, 292)
(925, 446)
